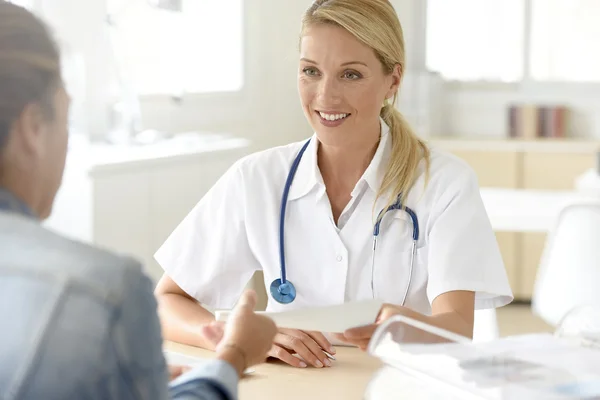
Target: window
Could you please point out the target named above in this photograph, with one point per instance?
(475, 39)
(24, 3)
(513, 40)
(196, 48)
(564, 40)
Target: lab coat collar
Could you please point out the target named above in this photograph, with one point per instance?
(373, 175)
(308, 176)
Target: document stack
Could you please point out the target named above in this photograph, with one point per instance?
(425, 362)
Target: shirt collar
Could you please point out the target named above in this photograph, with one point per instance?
(308, 175)
(10, 203)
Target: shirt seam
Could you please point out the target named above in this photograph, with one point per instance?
(50, 274)
(123, 372)
(18, 383)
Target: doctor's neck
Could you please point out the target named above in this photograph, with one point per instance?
(343, 165)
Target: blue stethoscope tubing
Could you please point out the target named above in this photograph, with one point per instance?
(282, 290)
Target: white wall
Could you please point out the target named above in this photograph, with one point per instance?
(80, 23)
(270, 112)
(476, 110)
(267, 112)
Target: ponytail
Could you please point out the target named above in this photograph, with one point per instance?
(407, 152)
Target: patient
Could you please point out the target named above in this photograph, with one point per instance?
(79, 322)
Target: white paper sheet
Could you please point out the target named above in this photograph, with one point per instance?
(334, 319)
(544, 365)
(175, 358)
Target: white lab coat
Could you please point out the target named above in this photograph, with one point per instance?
(233, 231)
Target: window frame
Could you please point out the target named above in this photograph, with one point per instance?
(217, 106)
(527, 82)
(158, 110)
(223, 96)
(34, 4)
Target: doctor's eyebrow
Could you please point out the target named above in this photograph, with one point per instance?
(343, 64)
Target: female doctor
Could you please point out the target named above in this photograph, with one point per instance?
(307, 214)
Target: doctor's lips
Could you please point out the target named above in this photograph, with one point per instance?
(332, 118)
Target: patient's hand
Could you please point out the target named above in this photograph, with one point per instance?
(213, 333)
(308, 345)
(246, 337)
(176, 370)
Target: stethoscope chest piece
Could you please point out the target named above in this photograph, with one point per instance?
(283, 293)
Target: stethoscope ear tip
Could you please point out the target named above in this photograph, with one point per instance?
(283, 293)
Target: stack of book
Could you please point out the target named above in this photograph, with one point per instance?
(530, 121)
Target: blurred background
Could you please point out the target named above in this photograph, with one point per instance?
(167, 94)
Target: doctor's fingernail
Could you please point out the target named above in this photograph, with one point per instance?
(303, 364)
(319, 364)
(327, 362)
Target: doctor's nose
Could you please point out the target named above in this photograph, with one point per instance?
(329, 91)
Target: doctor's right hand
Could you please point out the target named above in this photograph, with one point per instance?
(309, 346)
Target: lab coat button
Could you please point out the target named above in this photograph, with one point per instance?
(339, 258)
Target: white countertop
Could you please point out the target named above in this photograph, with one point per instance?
(549, 145)
(102, 157)
(520, 210)
(508, 209)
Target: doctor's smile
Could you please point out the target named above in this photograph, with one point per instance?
(332, 118)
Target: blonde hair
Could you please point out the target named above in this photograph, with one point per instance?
(375, 23)
(29, 65)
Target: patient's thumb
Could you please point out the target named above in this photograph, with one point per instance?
(213, 333)
(247, 300)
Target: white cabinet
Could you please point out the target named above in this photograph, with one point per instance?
(130, 199)
(544, 168)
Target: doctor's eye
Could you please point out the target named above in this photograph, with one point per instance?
(351, 75)
(310, 71)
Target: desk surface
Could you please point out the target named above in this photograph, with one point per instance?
(346, 379)
(519, 210)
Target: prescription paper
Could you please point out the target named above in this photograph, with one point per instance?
(336, 318)
(175, 358)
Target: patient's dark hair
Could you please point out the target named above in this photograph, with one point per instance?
(29, 65)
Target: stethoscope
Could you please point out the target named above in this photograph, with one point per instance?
(283, 291)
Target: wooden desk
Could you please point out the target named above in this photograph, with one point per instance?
(346, 379)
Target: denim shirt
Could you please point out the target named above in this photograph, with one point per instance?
(81, 323)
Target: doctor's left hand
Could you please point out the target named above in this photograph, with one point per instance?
(361, 336)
